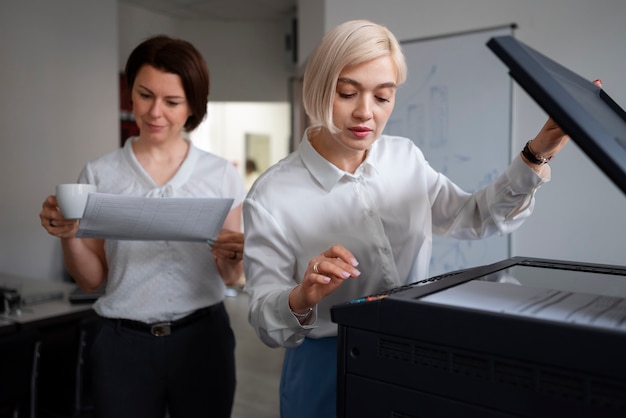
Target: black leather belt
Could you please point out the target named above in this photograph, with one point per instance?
(163, 329)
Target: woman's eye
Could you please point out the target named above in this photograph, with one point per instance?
(347, 95)
(382, 99)
(173, 104)
(144, 95)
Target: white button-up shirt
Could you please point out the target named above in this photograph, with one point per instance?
(385, 214)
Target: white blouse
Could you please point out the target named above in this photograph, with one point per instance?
(155, 281)
(385, 214)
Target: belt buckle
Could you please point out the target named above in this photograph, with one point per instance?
(161, 329)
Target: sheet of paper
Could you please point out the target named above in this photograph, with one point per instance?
(550, 304)
(112, 216)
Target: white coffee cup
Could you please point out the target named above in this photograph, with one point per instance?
(72, 198)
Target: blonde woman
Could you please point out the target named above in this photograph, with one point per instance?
(352, 212)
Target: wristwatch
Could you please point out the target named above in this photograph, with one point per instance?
(535, 159)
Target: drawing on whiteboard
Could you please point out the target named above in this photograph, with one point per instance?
(455, 106)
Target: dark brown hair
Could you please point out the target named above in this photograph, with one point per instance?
(178, 57)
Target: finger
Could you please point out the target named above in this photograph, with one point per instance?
(334, 268)
(61, 228)
(315, 273)
(228, 255)
(316, 267)
(227, 250)
(339, 251)
(232, 241)
(50, 202)
(49, 223)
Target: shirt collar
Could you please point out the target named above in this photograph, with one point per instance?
(326, 173)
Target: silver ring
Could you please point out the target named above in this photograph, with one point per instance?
(234, 257)
(317, 263)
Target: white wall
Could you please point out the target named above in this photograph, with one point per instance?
(247, 61)
(579, 214)
(58, 77)
(136, 24)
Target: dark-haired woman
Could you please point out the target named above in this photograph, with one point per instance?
(165, 343)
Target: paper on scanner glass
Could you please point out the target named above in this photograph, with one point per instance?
(120, 217)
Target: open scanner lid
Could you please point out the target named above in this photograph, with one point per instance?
(584, 111)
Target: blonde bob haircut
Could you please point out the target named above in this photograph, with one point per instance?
(350, 43)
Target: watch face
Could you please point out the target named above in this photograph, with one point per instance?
(583, 110)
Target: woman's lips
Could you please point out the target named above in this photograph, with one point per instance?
(360, 132)
(154, 127)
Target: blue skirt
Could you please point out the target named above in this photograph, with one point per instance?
(308, 384)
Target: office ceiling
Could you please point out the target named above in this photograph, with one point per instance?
(224, 10)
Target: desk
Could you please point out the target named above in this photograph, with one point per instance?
(48, 312)
(58, 324)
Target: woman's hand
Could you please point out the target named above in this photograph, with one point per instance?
(53, 221)
(84, 258)
(550, 139)
(323, 276)
(228, 246)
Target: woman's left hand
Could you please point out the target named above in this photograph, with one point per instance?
(227, 246)
(549, 140)
(551, 137)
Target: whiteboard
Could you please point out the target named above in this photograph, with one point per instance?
(456, 107)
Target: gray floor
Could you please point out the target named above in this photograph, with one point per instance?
(258, 366)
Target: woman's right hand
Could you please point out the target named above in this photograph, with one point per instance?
(53, 221)
(323, 276)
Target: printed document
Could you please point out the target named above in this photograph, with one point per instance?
(120, 217)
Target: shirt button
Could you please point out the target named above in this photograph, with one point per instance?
(385, 250)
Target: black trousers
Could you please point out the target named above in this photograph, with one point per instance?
(190, 373)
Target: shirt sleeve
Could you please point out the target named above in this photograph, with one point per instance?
(501, 207)
(269, 274)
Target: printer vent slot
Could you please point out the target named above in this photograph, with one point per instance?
(514, 375)
(506, 372)
(394, 350)
(431, 357)
(472, 366)
(608, 395)
(562, 386)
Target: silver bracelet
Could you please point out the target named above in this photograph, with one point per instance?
(302, 315)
